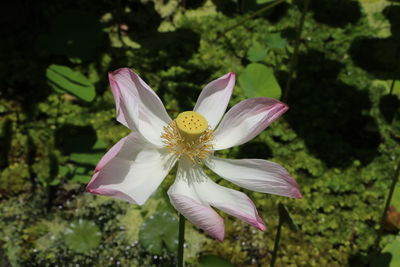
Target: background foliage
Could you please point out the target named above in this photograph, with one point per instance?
(339, 140)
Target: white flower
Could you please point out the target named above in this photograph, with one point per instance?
(134, 167)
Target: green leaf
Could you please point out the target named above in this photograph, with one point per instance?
(275, 41)
(396, 198)
(285, 215)
(257, 80)
(214, 261)
(158, 230)
(390, 256)
(82, 236)
(64, 79)
(260, 2)
(257, 53)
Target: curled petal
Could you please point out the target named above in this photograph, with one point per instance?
(185, 199)
(246, 120)
(193, 183)
(132, 170)
(214, 98)
(138, 107)
(257, 175)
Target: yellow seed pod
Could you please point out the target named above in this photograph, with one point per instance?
(191, 124)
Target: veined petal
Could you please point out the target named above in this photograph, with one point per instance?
(230, 201)
(214, 98)
(246, 120)
(257, 175)
(132, 170)
(138, 106)
(185, 199)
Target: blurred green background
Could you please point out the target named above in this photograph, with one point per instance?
(339, 140)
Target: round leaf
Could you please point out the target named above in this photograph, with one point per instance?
(160, 229)
(257, 80)
(214, 261)
(82, 236)
(256, 53)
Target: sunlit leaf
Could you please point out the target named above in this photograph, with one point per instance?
(390, 256)
(214, 261)
(259, 2)
(258, 80)
(159, 230)
(256, 53)
(64, 79)
(82, 236)
(276, 41)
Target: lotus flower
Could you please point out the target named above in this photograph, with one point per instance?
(134, 167)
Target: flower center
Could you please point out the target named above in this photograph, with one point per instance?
(189, 135)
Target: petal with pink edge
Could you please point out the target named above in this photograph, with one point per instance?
(246, 120)
(132, 170)
(257, 175)
(214, 98)
(184, 198)
(138, 106)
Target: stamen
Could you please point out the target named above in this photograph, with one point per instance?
(183, 140)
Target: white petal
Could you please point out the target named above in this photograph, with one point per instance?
(132, 170)
(257, 175)
(184, 198)
(138, 107)
(214, 99)
(246, 120)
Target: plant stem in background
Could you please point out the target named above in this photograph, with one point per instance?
(277, 239)
(293, 60)
(258, 12)
(388, 200)
(392, 87)
(181, 239)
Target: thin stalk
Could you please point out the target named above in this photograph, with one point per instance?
(258, 12)
(293, 60)
(392, 87)
(277, 239)
(388, 200)
(181, 239)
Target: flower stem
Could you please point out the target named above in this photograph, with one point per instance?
(256, 13)
(181, 239)
(388, 200)
(277, 239)
(293, 59)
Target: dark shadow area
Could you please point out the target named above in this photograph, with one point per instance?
(373, 260)
(232, 8)
(380, 56)
(389, 105)
(193, 4)
(329, 115)
(255, 149)
(163, 48)
(75, 139)
(5, 143)
(336, 13)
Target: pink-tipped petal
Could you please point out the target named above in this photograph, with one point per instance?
(230, 201)
(246, 120)
(184, 198)
(138, 107)
(192, 182)
(257, 175)
(214, 98)
(132, 170)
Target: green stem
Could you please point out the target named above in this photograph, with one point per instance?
(258, 12)
(388, 200)
(293, 60)
(181, 239)
(277, 239)
(392, 87)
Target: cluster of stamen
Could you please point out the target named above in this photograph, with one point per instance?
(189, 135)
